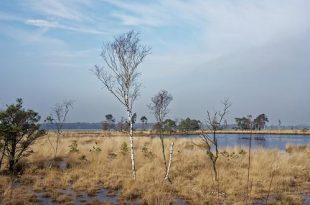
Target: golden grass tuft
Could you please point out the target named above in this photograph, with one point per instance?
(290, 148)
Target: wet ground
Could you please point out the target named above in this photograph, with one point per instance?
(275, 199)
(69, 196)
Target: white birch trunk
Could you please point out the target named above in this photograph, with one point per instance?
(170, 161)
(132, 154)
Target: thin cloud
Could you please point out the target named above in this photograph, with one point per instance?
(43, 23)
(54, 24)
(130, 20)
(56, 8)
(157, 13)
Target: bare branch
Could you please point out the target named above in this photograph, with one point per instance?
(122, 58)
(159, 105)
(58, 117)
(214, 123)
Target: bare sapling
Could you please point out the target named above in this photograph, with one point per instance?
(250, 124)
(214, 122)
(159, 108)
(119, 75)
(57, 118)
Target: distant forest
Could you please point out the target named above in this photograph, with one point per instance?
(88, 126)
(99, 126)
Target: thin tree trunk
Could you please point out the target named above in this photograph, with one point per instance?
(215, 157)
(12, 157)
(214, 170)
(54, 149)
(170, 161)
(248, 200)
(58, 135)
(132, 153)
(163, 152)
(57, 144)
(2, 156)
(163, 148)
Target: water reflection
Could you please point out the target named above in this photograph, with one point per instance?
(258, 140)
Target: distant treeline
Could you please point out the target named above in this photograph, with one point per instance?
(87, 126)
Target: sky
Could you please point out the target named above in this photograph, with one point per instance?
(254, 52)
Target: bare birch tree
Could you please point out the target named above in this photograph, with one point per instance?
(214, 122)
(57, 119)
(159, 108)
(120, 75)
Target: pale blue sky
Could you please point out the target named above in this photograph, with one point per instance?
(255, 52)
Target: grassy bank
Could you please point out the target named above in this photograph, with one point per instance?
(88, 163)
(267, 132)
(152, 133)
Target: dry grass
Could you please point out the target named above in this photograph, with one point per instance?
(102, 162)
(298, 148)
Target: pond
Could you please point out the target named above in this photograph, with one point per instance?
(258, 140)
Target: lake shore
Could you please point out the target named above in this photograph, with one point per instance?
(152, 133)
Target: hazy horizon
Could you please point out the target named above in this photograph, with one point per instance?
(256, 53)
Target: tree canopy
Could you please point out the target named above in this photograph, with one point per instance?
(189, 125)
(19, 129)
(246, 123)
(169, 125)
(260, 121)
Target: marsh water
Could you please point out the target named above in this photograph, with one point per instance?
(102, 196)
(258, 140)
